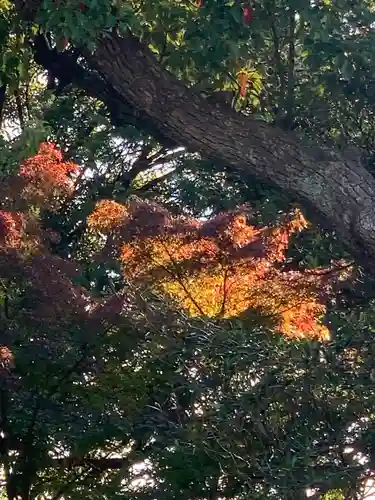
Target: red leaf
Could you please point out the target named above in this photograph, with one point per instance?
(248, 15)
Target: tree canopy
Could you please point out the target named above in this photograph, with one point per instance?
(187, 249)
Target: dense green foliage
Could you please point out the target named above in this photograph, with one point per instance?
(144, 402)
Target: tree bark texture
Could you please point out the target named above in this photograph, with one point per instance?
(336, 186)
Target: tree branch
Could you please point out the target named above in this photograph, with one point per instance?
(98, 464)
(64, 67)
(19, 107)
(337, 187)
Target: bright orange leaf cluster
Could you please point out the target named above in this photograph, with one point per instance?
(43, 181)
(107, 215)
(223, 267)
(47, 175)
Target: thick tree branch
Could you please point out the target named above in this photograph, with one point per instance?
(99, 464)
(65, 68)
(337, 187)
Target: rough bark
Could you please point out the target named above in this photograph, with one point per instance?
(337, 186)
(126, 76)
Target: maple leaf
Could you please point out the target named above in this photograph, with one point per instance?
(223, 267)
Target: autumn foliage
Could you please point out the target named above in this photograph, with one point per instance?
(223, 267)
(43, 182)
(52, 301)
